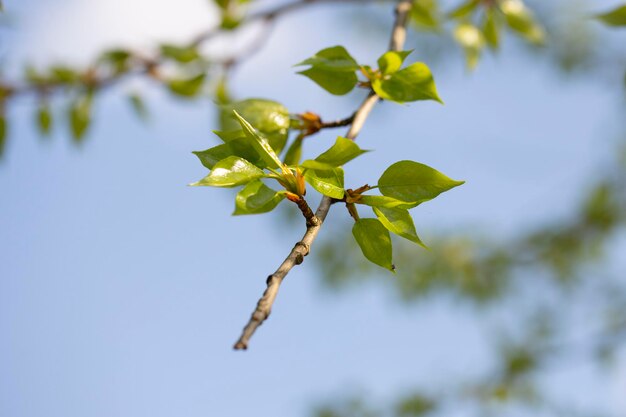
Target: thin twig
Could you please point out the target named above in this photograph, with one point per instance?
(302, 248)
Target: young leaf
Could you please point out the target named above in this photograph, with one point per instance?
(521, 20)
(326, 182)
(3, 134)
(343, 151)
(333, 69)
(398, 221)
(269, 117)
(259, 143)
(187, 87)
(491, 29)
(212, 156)
(464, 9)
(472, 41)
(256, 198)
(414, 182)
(374, 241)
(44, 119)
(229, 136)
(231, 172)
(387, 202)
(412, 83)
(391, 61)
(425, 13)
(181, 54)
(615, 17)
(80, 117)
(294, 152)
(139, 106)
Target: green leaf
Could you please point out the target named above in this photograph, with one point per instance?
(80, 116)
(138, 106)
(118, 59)
(229, 136)
(521, 20)
(44, 119)
(3, 134)
(374, 240)
(387, 202)
(333, 69)
(187, 87)
(391, 61)
(472, 41)
(326, 182)
(63, 74)
(256, 198)
(491, 29)
(212, 156)
(231, 172)
(615, 17)
(269, 117)
(398, 221)
(294, 152)
(343, 151)
(463, 10)
(259, 143)
(182, 54)
(425, 13)
(412, 83)
(414, 182)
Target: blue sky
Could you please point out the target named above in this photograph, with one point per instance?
(122, 289)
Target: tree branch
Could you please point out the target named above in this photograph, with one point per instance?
(302, 248)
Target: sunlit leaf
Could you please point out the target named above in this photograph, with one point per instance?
(374, 240)
(425, 14)
(187, 87)
(212, 156)
(412, 83)
(231, 172)
(256, 198)
(472, 41)
(464, 9)
(491, 29)
(80, 116)
(182, 54)
(391, 61)
(269, 117)
(384, 201)
(333, 69)
(343, 151)
(326, 182)
(259, 143)
(414, 182)
(44, 119)
(521, 20)
(398, 221)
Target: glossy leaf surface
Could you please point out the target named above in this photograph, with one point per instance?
(414, 182)
(256, 198)
(231, 172)
(326, 182)
(333, 69)
(412, 83)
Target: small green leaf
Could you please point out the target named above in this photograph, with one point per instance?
(187, 87)
(80, 117)
(521, 20)
(44, 119)
(387, 202)
(615, 17)
(138, 106)
(212, 156)
(374, 240)
(257, 198)
(259, 143)
(398, 221)
(118, 59)
(491, 29)
(231, 172)
(343, 151)
(182, 54)
(472, 41)
(62, 74)
(326, 182)
(229, 136)
(463, 10)
(425, 13)
(3, 134)
(391, 61)
(414, 182)
(412, 83)
(269, 117)
(333, 69)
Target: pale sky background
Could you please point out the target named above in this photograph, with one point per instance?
(122, 290)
